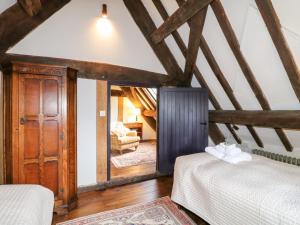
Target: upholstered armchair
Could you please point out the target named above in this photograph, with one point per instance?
(123, 138)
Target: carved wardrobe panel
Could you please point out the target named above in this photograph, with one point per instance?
(40, 129)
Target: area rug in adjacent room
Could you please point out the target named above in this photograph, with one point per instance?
(146, 153)
(157, 212)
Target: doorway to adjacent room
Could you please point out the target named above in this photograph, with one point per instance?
(133, 137)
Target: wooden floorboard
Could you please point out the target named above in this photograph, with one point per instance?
(118, 197)
(132, 171)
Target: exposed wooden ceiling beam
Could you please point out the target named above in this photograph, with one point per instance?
(144, 99)
(197, 72)
(197, 24)
(15, 23)
(179, 17)
(145, 96)
(162, 11)
(135, 101)
(143, 20)
(151, 113)
(98, 71)
(150, 97)
(225, 85)
(235, 47)
(117, 93)
(289, 119)
(274, 27)
(31, 7)
(215, 133)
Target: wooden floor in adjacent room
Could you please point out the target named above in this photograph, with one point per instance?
(132, 171)
(137, 170)
(118, 197)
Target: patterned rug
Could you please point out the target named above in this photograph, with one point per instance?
(146, 153)
(159, 212)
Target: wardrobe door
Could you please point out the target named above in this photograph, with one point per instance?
(183, 124)
(40, 131)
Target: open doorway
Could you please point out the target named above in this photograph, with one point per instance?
(133, 137)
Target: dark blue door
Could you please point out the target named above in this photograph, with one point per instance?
(183, 124)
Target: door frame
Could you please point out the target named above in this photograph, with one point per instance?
(128, 84)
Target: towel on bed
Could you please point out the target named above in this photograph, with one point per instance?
(228, 153)
(240, 157)
(214, 152)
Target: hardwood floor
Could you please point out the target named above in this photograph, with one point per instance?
(117, 197)
(132, 171)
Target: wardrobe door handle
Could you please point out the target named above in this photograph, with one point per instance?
(23, 120)
(203, 123)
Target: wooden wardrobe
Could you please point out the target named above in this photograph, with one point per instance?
(40, 129)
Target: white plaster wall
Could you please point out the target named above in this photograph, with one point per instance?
(71, 33)
(113, 109)
(4, 4)
(86, 132)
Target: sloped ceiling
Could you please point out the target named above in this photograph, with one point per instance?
(71, 33)
(6, 4)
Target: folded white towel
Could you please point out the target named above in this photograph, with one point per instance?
(240, 157)
(220, 148)
(214, 152)
(232, 150)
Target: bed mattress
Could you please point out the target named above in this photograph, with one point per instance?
(25, 205)
(259, 192)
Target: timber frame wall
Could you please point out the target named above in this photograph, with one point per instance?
(24, 16)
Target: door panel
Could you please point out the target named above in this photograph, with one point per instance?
(183, 120)
(31, 96)
(32, 173)
(51, 140)
(51, 175)
(40, 147)
(31, 140)
(50, 95)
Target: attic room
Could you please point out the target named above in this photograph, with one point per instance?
(176, 112)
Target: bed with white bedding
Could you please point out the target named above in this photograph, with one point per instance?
(25, 205)
(258, 192)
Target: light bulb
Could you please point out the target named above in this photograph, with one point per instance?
(104, 27)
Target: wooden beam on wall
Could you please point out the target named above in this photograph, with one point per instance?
(179, 17)
(15, 23)
(143, 20)
(162, 11)
(101, 132)
(225, 85)
(274, 27)
(289, 119)
(215, 133)
(197, 24)
(235, 47)
(97, 71)
(120, 108)
(31, 7)
(1, 131)
(117, 93)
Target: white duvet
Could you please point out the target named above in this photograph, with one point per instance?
(25, 205)
(258, 192)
